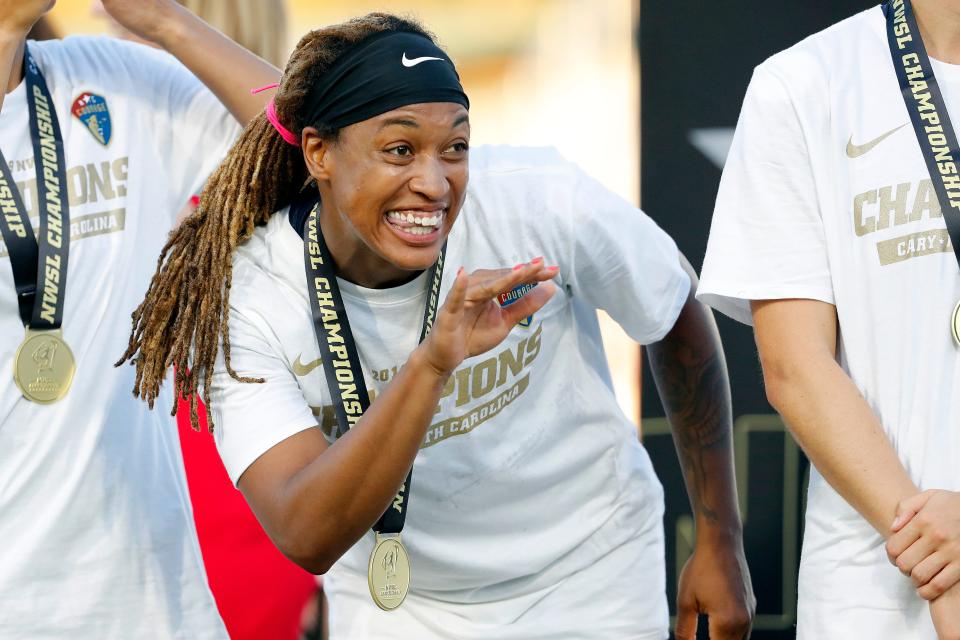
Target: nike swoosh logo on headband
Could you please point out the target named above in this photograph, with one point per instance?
(407, 62)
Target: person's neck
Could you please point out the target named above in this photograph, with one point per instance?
(16, 73)
(354, 260)
(939, 22)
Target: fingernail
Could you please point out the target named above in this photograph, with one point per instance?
(519, 266)
(896, 522)
(554, 268)
(459, 271)
(537, 260)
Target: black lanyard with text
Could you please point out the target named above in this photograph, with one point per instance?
(39, 262)
(341, 361)
(931, 122)
(928, 113)
(43, 365)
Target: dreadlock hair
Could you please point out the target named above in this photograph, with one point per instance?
(186, 310)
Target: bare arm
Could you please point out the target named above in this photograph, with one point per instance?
(691, 376)
(839, 432)
(315, 507)
(316, 501)
(824, 409)
(17, 17)
(226, 68)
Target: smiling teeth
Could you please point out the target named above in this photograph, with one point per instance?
(421, 224)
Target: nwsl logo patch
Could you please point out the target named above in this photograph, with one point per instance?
(93, 112)
(506, 299)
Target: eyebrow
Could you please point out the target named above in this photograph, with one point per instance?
(403, 122)
(406, 122)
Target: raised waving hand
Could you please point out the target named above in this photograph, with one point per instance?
(471, 321)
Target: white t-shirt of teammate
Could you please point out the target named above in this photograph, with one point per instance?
(530, 473)
(96, 528)
(826, 196)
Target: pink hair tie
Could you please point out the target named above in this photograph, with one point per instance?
(285, 133)
(266, 88)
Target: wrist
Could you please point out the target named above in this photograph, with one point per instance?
(421, 362)
(719, 533)
(173, 26)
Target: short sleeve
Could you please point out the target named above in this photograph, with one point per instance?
(623, 262)
(251, 418)
(197, 130)
(169, 118)
(187, 128)
(767, 239)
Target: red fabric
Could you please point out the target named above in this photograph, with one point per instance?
(260, 593)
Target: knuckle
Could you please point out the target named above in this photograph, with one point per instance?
(729, 622)
(903, 565)
(927, 592)
(917, 578)
(935, 587)
(939, 583)
(740, 621)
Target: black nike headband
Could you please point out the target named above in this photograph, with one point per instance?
(384, 72)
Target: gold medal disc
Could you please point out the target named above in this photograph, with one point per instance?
(955, 325)
(389, 572)
(43, 366)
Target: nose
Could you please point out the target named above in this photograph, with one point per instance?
(431, 178)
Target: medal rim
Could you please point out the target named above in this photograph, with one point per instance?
(406, 560)
(72, 367)
(955, 324)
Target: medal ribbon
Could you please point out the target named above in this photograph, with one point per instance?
(928, 113)
(39, 263)
(341, 361)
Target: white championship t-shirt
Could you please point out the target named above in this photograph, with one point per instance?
(96, 529)
(826, 196)
(530, 473)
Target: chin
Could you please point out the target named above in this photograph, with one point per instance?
(414, 259)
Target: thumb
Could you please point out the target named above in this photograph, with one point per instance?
(686, 621)
(910, 507)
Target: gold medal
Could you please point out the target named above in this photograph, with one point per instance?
(389, 572)
(43, 366)
(955, 325)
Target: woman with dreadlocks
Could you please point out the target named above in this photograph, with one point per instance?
(306, 292)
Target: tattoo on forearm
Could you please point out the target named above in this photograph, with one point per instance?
(692, 382)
